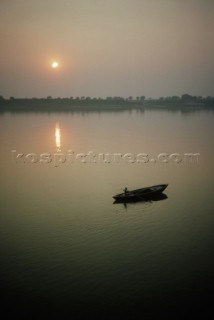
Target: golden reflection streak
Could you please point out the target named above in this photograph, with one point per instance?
(58, 137)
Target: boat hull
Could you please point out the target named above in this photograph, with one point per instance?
(148, 193)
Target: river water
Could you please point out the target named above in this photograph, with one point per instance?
(68, 251)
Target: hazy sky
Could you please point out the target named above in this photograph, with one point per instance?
(106, 47)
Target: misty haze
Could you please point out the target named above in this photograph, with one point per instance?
(106, 132)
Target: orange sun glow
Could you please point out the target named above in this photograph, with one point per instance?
(55, 64)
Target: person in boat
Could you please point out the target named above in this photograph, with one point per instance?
(125, 191)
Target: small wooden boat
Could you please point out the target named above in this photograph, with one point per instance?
(140, 194)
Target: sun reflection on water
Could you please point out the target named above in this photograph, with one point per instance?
(58, 137)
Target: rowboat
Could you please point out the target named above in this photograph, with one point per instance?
(140, 194)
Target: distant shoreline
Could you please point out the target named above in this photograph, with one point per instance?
(174, 103)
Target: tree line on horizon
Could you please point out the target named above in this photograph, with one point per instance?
(108, 103)
(183, 98)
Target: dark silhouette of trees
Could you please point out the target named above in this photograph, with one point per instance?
(173, 102)
(186, 97)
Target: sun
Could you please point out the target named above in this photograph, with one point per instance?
(54, 64)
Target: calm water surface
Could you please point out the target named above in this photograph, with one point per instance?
(67, 250)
